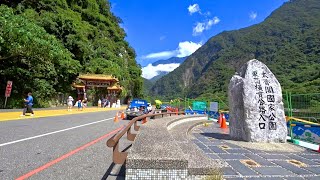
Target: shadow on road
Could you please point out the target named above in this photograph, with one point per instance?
(122, 172)
(120, 176)
(217, 136)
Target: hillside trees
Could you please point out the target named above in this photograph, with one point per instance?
(32, 58)
(89, 32)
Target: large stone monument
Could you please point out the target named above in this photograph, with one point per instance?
(256, 107)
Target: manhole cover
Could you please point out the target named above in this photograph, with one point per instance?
(250, 163)
(225, 147)
(296, 163)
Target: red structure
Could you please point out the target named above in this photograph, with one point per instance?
(107, 82)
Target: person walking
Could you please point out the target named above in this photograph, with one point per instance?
(70, 103)
(99, 103)
(79, 105)
(85, 103)
(28, 103)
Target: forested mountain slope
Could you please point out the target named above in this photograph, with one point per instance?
(45, 44)
(288, 41)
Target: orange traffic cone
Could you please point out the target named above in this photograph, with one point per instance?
(122, 115)
(116, 118)
(219, 119)
(223, 123)
(144, 120)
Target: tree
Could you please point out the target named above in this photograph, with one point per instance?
(33, 59)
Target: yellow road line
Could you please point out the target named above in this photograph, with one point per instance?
(9, 116)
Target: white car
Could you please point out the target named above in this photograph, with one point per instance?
(149, 107)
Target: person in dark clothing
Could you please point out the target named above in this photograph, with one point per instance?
(28, 103)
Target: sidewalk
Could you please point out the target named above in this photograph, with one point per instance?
(257, 160)
(14, 114)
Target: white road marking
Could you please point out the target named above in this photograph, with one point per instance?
(54, 132)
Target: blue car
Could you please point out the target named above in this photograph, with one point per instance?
(137, 107)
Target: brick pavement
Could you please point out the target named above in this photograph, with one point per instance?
(255, 163)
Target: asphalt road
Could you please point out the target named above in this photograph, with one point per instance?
(57, 147)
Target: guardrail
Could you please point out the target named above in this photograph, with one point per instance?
(120, 157)
(301, 120)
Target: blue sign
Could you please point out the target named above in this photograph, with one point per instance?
(138, 102)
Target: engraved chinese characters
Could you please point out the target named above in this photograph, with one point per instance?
(266, 100)
(256, 108)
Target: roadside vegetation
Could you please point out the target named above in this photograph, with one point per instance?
(45, 45)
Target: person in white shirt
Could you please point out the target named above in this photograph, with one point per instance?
(99, 103)
(70, 103)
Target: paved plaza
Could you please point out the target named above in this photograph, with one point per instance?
(257, 161)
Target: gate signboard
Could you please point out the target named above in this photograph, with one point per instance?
(8, 89)
(8, 92)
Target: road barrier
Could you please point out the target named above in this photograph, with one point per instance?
(120, 157)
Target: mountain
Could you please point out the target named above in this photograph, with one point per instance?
(288, 42)
(147, 85)
(170, 60)
(159, 76)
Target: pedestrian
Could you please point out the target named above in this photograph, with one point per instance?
(79, 104)
(85, 103)
(28, 102)
(103, 102)
(70, 103)
(107, 103)
(99, 103)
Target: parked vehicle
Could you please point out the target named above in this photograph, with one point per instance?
(137, 107)
(158, 103)
(164, 106)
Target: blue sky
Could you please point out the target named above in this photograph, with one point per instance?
(165, 28)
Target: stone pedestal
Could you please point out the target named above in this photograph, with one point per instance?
(256, 107)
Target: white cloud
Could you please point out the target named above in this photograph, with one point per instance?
(212, 22)
(200, 27)
(187, 48)
(184, 49)
(150, 71)
(253, 15)
(193, 8)
(207, 13)
(160, 55)
(162, 38)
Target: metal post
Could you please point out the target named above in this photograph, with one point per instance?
(290, 115)
(188, 103)
(288, 107)
(5, 102)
